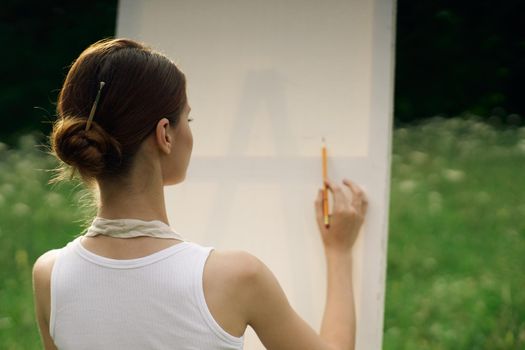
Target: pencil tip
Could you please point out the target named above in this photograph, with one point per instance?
(322, 139)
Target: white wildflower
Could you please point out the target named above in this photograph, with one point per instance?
(7, 189)
(521, 146)
(407, 186)
(418, 157)
(21, 209)
(25, 167)
(429, 263)
(404, 169)
(53, 199)
(27, 142)
(468, 146)
(453, 175)
(453, 123)
(401, 133)
(482, 197)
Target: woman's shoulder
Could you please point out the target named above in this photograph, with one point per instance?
(42, 269)
(236, 265)
(44, 265)
(238, 274)
(229, 279)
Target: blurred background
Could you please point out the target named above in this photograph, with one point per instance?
(456, 256)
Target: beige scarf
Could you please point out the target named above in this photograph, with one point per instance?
(127, 228)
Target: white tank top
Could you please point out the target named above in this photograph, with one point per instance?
(153, 302)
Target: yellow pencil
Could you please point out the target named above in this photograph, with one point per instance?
(325, 187)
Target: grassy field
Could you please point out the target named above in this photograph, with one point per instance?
(456, 258)
(34, 217)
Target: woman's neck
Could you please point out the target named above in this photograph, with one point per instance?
(142, 199)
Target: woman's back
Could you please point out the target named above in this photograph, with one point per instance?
(99, 303)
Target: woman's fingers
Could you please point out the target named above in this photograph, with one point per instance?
(338, 195)
(359, 200)
(341, 200)
(319, 207)
(348, 212)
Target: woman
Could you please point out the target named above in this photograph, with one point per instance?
(131, 282)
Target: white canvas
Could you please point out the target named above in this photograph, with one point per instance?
(267, 79)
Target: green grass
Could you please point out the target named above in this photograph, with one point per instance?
(456, 257)
(34, 217)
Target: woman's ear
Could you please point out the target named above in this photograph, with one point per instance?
(163, 137)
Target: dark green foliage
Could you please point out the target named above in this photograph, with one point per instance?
(40, 40)
(457, 56)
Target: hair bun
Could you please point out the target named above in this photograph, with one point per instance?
(91, 152)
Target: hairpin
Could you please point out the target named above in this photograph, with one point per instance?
(94, 107)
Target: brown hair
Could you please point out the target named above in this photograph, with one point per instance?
(141, 87)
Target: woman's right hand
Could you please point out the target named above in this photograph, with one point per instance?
(346, 217)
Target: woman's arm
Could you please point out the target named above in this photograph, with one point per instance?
(339, 324)
(42, 295)
(268, 311)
